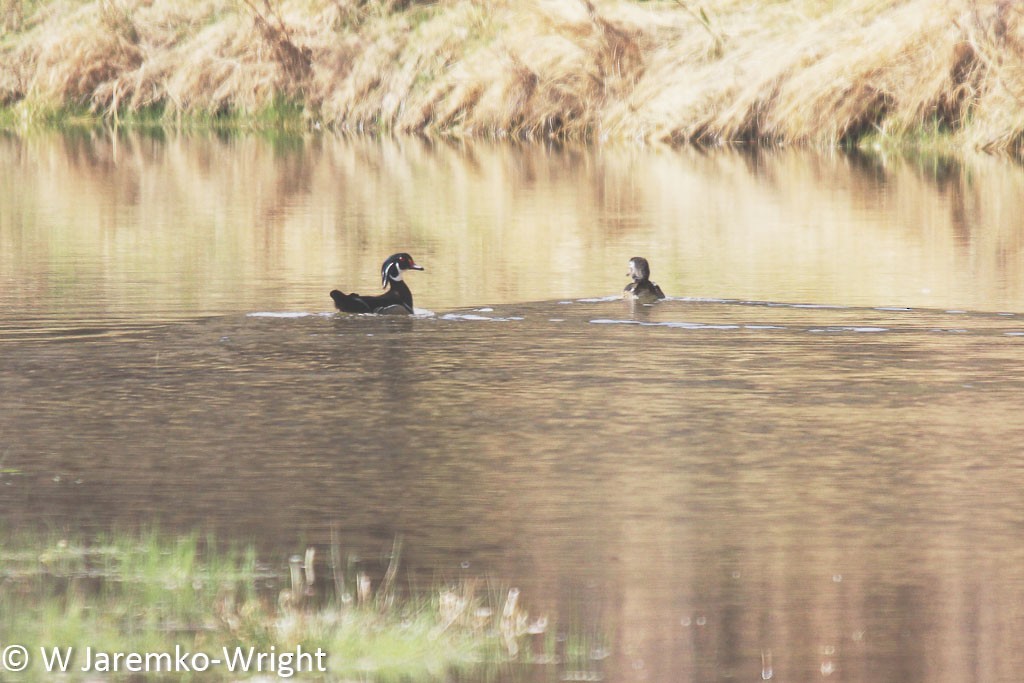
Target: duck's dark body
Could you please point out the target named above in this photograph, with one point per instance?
(397, 299)
(641, 287)
(644, 289)
(398, 294)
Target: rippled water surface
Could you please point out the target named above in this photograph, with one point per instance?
(805, 464)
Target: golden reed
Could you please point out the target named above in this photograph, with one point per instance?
(732, 71)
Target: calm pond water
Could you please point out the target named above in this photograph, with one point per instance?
(805, 464)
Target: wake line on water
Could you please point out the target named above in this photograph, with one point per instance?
(821, 327)
(419, 313)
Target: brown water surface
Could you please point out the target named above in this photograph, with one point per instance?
(805, 464)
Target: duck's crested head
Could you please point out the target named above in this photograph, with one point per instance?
(394, 265)
(639, 269)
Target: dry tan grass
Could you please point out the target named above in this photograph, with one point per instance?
(795, 72)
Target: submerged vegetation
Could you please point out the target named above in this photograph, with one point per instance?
(147, 594)
(811, 71)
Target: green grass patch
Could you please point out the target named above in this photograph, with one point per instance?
(171, 600)
(932, 138)
(282, 116)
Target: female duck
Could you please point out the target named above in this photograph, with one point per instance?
(398, 298)
(641, 288)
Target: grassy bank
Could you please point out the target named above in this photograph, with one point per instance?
(148, 594)
(811, 71)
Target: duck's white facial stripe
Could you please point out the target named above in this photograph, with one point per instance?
(393, 272)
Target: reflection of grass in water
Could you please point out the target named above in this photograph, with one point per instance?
(226, 222)
(148, 594)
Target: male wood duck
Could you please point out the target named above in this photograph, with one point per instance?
(398, 298)
(641, 287)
